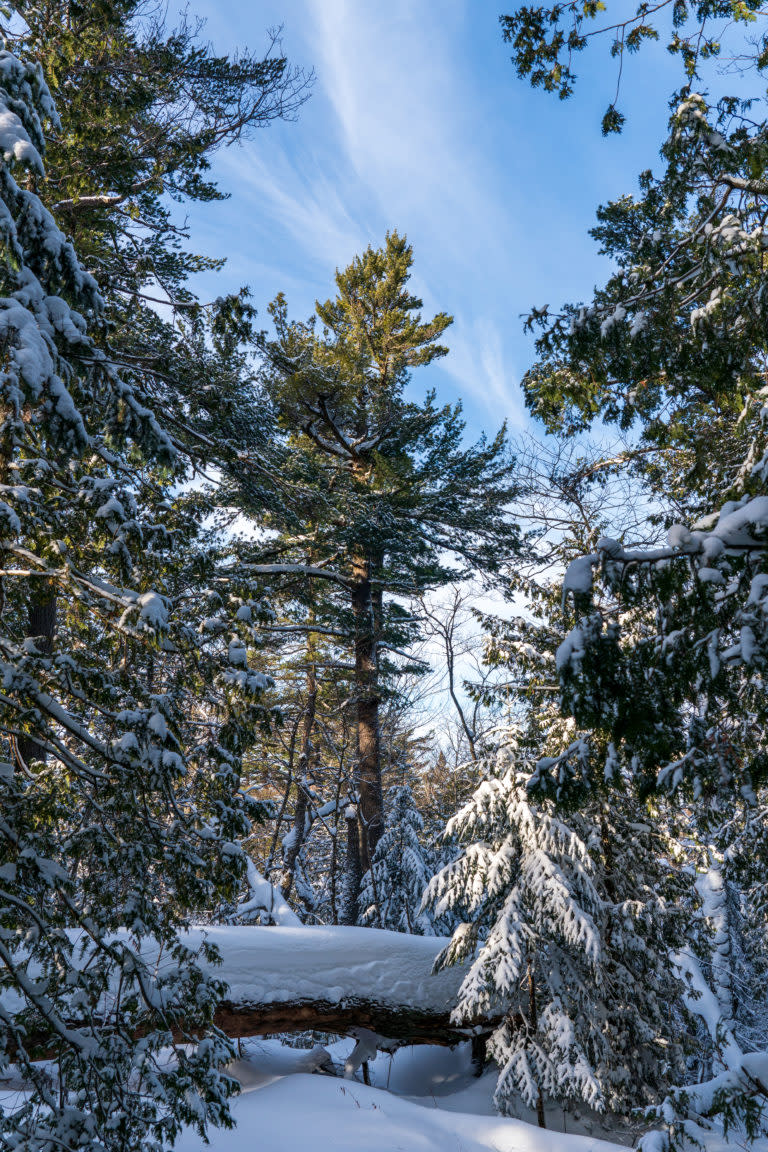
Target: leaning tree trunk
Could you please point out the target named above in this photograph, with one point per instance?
(41, 627)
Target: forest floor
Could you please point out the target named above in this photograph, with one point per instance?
(422, 1099)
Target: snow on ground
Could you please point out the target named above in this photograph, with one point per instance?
(322, 1114)
(423, 1099)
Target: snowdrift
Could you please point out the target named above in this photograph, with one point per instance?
(326, 1115)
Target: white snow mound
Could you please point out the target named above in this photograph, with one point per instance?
(272, 965)
(327, 1115)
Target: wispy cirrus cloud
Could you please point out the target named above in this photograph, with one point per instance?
(482, 367)
(406, 121)
(300, 197)
(415, 123)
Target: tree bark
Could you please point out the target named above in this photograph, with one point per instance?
(479, 1053)
(41, 627)
(335, 847)
(533, 1024)
(353, 872)
(401, 1024)
(301, 811)
(368, 769)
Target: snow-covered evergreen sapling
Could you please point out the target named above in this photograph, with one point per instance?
(392, 890)
(567, 932)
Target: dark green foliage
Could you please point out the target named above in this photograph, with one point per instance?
(546, 38)
(387, 500)
(128, 699)
(391, 477)
(143, 108)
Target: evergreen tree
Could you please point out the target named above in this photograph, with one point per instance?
(661, 677)
(545, 40)
(566, 928)
(123, 717)
(732, 889)
(392, 504)
(668, 650)
(392, 889)
(143, 107)
(718, 924)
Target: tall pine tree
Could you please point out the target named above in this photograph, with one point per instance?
(392, 502)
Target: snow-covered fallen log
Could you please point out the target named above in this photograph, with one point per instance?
(271, 965)
(337, 979)
(333, 979)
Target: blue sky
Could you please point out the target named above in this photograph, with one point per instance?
(418, 122)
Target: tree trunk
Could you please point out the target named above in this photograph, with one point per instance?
(335, 847)
(368, 769)
(533, 1024)
(399, 1024)
(41, 627)
(298, 833)
(479, 1053)
(353, 871)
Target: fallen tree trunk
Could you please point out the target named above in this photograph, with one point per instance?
(395, 1027)
(324, 979)
(339, 979)
(404, 1024)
